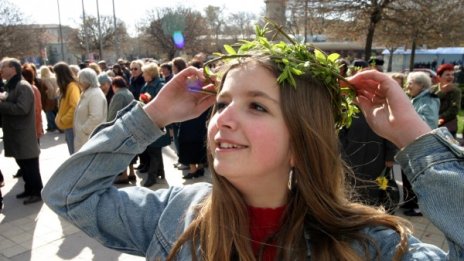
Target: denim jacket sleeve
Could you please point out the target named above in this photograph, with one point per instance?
(134, 220)
(435, 167)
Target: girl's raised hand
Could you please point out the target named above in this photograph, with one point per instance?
(387, 108)
(176, 103)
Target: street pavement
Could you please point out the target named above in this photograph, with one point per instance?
(34, 232)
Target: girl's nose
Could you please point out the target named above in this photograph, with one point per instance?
(226, 118)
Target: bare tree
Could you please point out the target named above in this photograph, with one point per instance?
(423, 22)
(166, 24)
(242, 23)
(108, 34)
(306, 17)
(215, 22)
(16, 38)
(364, 15)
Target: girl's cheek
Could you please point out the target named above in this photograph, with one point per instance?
(211, 129)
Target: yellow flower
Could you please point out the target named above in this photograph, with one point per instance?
(382, 181)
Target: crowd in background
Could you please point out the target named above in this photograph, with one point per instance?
(371, 156)
(77, 98)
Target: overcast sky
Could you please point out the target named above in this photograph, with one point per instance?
(130, 11)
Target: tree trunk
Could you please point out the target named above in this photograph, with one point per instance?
(375, 18)
(369, 40)
(275, 10)
(413, 54)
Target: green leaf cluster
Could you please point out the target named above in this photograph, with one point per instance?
(293, 60)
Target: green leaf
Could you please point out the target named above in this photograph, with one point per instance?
(208, 71)
(333, 57)
(320, 56)
(282, 77)
(296, 71)
(291, 79)
(229, 49)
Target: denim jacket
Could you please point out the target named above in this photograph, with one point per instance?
(143, 222)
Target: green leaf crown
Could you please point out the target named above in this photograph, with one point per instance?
(294, 59)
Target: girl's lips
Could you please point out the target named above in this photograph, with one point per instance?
(228, 145)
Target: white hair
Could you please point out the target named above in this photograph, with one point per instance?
(421, 78)
(88, 77)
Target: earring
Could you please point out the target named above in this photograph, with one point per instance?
(291, 180)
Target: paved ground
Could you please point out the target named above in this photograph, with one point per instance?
(34, 232)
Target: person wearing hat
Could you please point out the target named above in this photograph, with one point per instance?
(102, 65)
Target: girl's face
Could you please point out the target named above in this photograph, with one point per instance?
(247, 136)
(413, 88)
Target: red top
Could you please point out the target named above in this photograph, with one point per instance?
(264, 222)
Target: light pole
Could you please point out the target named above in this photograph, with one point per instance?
(85, 31)
(61, 30)
(100, 49)
(116, 36)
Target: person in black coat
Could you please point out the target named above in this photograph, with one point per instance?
(19, 133)
(368, 155)
(136, 80)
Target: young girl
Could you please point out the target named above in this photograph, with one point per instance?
(278, 190)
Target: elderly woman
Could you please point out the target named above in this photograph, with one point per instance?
(427, 105)
(92, 107)
(105, 85)
(450, 98)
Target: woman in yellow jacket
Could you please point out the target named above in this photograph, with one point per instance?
(70, 95)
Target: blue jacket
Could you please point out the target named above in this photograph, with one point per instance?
(427, 105)
(143, 222)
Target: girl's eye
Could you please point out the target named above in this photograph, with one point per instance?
(257, 107)
(220, 106)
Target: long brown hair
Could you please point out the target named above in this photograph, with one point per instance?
(64, 77)
(318, 206)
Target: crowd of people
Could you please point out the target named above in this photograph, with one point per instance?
(75, 99)
(370, 155)
(277, 163)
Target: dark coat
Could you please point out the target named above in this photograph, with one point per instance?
(136, 85)
(366, 153)
(450, 102)
(121, 99)
(153, 88)
(18, 121)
